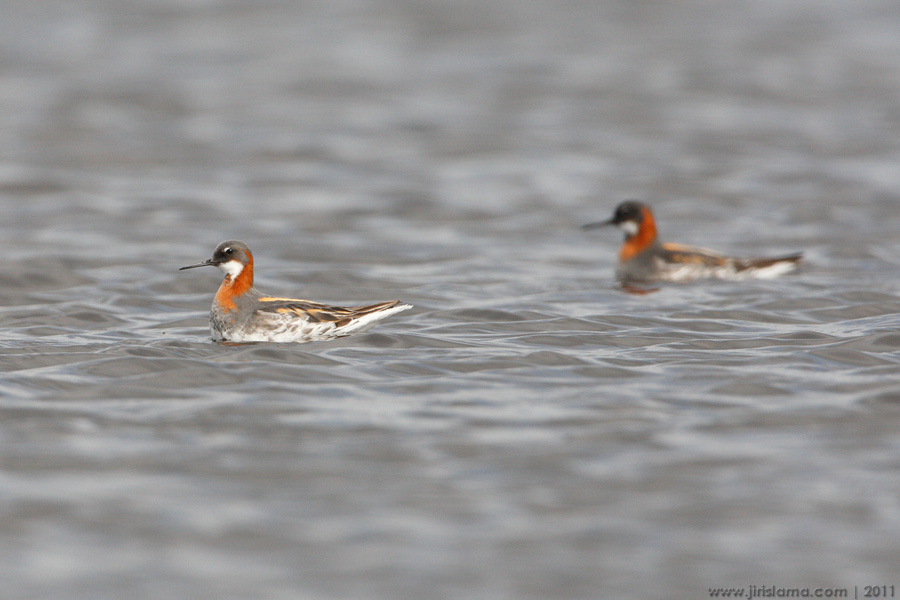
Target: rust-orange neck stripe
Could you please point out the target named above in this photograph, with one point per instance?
(236, 287)
(642, 240)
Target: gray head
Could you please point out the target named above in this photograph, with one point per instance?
(630, 216)
(231, 257)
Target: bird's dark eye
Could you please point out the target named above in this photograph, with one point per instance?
(228, 250)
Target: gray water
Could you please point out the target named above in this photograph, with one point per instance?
(528, 430)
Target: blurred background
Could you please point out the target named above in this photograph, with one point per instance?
(528, 430)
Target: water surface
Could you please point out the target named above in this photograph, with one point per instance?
(528, 430)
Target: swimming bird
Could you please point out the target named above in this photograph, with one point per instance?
(643, 258)
(241, 313)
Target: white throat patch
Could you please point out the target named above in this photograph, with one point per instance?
(232, 267)
(629, 227)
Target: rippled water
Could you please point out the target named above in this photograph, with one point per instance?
(528, 430)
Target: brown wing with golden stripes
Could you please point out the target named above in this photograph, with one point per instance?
(762, 263)
(679, 253)
(317, 312)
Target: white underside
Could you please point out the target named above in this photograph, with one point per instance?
(290, 328)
